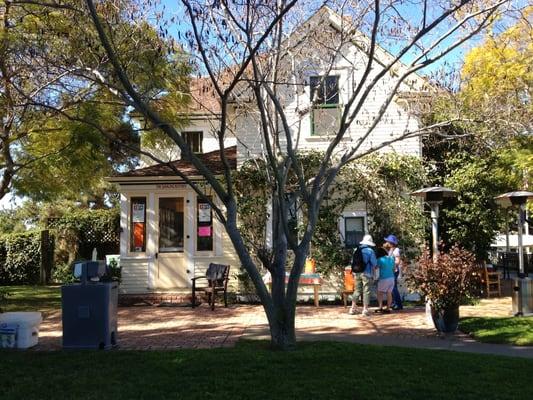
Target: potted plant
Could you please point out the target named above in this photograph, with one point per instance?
(446, 280)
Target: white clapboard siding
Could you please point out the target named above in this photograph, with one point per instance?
(134, 276)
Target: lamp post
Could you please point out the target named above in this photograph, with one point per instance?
(434, 196)
(522, 289)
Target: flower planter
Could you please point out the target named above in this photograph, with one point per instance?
(446, 320)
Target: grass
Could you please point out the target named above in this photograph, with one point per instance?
(321, 370)
(510, 330)
(32, 298)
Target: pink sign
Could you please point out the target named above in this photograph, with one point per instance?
(204, 231)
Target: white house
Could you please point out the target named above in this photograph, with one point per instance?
(169, 234)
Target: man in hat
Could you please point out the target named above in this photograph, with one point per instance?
(391, 244)
(364, 280)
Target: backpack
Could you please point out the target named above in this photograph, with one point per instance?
(358, 264)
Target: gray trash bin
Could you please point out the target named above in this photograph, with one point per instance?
(523, 291)
(89, 311)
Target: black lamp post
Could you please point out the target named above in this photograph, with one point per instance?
(522, 285)
(434, 196)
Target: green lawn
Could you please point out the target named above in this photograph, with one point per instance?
(511, 330)
(321, 370)
(32, 298)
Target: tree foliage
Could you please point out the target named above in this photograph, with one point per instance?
(383, 183)
(64, 125)
(493, 148)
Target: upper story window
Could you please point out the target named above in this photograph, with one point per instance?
(194, 140)
(325, 90)
(326, 111)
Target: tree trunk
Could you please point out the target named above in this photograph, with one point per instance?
(282, 330)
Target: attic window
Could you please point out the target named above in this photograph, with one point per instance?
(325, 90)
(326, 110)
(194, 140)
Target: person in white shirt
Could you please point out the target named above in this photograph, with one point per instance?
(391, 243)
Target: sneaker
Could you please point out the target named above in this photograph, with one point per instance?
(386, 311)
(397, 308)
(365, 313)
(352, 311)
(379, 310)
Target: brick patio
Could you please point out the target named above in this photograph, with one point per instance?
(149, 327)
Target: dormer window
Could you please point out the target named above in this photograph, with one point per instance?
(194, 141)
(325, 116)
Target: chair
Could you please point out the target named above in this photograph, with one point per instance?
(492, 281)
(217, 276)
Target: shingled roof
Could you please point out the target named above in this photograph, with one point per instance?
(212, 161)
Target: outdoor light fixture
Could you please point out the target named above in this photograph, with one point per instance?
(434, 196)
(523, 288)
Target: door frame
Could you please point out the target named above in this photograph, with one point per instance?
(188, 240)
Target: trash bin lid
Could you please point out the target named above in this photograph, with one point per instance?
(21, 318)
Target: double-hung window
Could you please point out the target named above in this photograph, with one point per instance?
(194, 141)
(326, 110)
(354, 230)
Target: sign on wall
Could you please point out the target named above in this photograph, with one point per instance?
(204, 212)
(138, 212)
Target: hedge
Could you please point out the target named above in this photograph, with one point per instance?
(20, 258)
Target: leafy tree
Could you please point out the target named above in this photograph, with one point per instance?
(61, 130)
(493, 150)
(473, 218)
(497, 80)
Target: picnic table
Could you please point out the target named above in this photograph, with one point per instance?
(306, 279)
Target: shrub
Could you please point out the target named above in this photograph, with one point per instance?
(3, 298)
(446, 281)
(20, 258)
(115, 271)
(62, 273)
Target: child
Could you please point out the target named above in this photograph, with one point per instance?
(386, 279)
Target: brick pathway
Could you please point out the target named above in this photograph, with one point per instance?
(147, 327)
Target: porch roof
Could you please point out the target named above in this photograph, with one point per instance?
(212, 161)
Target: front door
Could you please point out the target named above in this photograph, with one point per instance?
(171, 271)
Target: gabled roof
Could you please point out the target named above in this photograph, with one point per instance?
(204, 97)
(211, 160)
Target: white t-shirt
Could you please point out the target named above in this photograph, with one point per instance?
(396, 253)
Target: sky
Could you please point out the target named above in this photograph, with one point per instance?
(409, 11)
